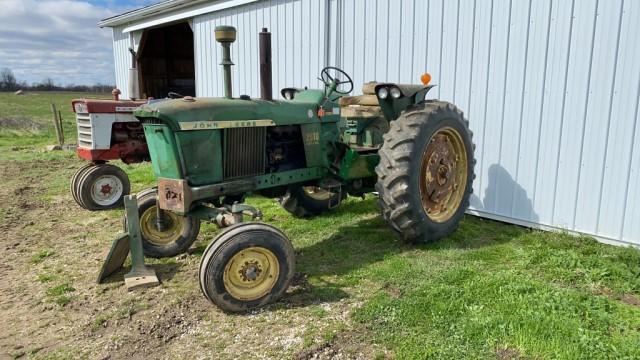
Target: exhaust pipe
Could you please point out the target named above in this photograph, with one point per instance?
(266, 88)
(226, 35)
(134, 87)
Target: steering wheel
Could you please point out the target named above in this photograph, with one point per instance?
(327, 79)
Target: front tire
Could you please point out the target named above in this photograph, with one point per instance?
(175, 239)
(246, 266)
(425, 174)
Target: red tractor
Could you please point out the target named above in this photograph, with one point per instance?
(107, 130)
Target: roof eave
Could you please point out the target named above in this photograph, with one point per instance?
(155, 9)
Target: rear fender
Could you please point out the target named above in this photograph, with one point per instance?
(411, 95)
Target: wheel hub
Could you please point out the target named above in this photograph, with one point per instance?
(251, 273)
(173, 227)
(106, 190)
(443, 175)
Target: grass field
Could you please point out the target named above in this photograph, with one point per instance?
(491, 290)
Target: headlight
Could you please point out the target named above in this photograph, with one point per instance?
(289, 95)
(396, 93)
(383, 92)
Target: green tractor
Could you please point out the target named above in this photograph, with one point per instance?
(309, 151)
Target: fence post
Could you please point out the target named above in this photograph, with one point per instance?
(57, 124)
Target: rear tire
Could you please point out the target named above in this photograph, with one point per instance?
(179, 235)
(306, 201)
(246, 266)
(425, 174)
(74, 182)
(102, 187)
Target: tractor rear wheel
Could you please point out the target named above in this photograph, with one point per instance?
(305, 201)
(425, 174)
(246, 266)
(177, 236)
(101, 187)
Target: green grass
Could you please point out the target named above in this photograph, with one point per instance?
(33, 111)
(490, 290)
(60, 294)
(41, 255)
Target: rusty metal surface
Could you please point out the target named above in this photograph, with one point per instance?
(443, 175)
(174, 195)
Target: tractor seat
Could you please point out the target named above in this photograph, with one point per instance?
(368, 99)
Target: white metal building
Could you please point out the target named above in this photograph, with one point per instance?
(551, 87)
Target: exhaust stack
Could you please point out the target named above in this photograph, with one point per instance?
(266, 88)
(226, 35)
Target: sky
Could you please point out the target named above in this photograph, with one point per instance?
(60, 39)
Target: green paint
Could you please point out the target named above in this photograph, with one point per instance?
(356, 166)
(204, 160)
(163, 150)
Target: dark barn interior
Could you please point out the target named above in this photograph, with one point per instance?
(165, 61)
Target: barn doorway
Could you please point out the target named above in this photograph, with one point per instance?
(165, 60)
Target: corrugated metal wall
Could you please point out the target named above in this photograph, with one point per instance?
(298, 42)
(551, 88)
(122, 60)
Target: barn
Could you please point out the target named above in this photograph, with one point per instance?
(551, 88)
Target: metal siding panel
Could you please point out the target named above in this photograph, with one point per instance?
(576, 97)
(434, 40)
(478, 84)
(621, 210)
(464, 55)
(597, 117)
(532, 104)
(420, 32)
(491, 169)
(447, 52)
(631, 224)
(551, 115)
(122, 60)
(516, 70)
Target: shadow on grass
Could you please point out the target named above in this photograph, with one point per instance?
(341, 259)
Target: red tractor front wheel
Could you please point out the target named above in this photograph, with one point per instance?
(100, 187)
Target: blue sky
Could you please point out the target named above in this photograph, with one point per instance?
(60, 39)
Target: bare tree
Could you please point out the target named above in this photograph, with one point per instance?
(7, 80)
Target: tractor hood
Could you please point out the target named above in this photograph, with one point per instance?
(215, 113)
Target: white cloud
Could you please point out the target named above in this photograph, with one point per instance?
(57, 39)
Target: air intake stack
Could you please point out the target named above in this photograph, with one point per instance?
(226, 35)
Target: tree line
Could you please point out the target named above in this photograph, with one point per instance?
(8, 82)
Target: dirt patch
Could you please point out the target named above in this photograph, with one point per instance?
(345, 345)
(52, 307)
(508, 353)
(630, 299)
(20, 124)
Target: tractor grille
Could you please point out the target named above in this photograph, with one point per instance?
(244, 151)
(84, 130)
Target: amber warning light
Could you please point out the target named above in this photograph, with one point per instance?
(425, 78)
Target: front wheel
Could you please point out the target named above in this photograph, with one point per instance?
(246, 266)
(175, 234)
(425, 174)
